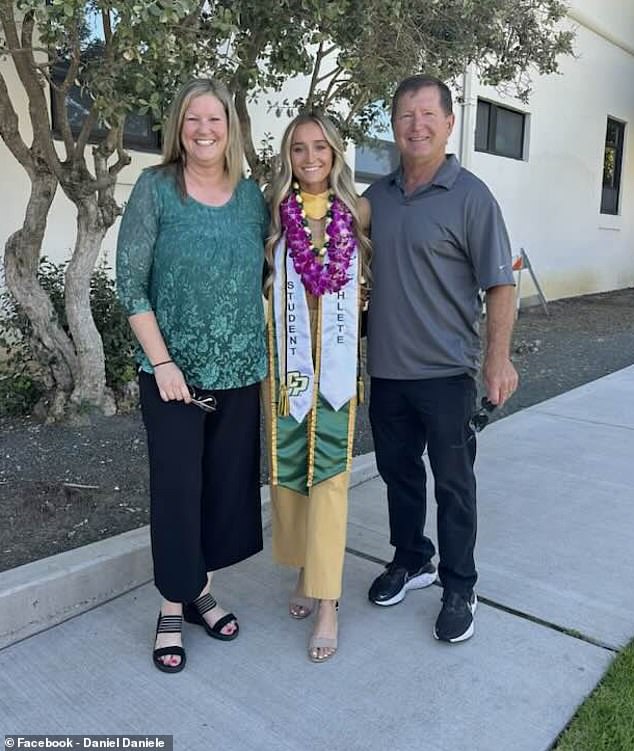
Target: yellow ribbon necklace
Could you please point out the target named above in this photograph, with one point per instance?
(315, 204)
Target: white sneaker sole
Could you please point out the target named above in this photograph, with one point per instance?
(417, 582)
(468, 633)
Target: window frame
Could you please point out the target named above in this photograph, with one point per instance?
(491, 130)
(614, 189)
(366, 177)
(131, 142)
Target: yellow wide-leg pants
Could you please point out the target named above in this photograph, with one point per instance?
(310, 532)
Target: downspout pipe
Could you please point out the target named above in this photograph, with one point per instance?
(468, 118)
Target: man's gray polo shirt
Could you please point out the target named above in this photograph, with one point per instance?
(433, 250)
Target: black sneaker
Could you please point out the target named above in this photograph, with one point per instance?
(392, 585)
(455, 620)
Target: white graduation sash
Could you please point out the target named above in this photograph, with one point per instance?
(292, 329)
(339, 332)
(340, 311)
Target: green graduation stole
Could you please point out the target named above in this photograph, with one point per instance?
(320, 445)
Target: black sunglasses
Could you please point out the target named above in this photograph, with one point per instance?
(480, 419)
(206, 403)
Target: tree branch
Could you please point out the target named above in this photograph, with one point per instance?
(244, 118)
(19, 51)
(329, 90)
(84, 134)
(91, 120)
(334, 89)
(25, 67)
(59, 103)
(314, 78)
(337, 69)
(107, 26)
(359, 102)
(10, 130)
(106, 179)
(123, 158)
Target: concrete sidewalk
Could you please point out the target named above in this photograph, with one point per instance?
(556, 587)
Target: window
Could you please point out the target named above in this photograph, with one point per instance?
(375, 159)
(612, 161)
(500, 130)
(138, 129)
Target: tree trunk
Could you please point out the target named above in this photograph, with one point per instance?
(240, 100)
(90, 374)
(53, 347)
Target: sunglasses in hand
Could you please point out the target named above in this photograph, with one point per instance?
(478, 421)
(206, 403)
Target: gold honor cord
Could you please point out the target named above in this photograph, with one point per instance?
(360, 383)
(351, 418)
(283, 406)
(272, 384)
(312, 416)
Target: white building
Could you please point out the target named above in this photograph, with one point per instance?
(562, 167)
(569, 200)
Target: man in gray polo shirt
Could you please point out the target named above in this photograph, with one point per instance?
(438, 238)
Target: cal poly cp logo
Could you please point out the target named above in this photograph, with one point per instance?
(297, 382)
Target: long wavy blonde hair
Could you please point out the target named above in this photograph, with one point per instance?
(341, 183)
(175, 157)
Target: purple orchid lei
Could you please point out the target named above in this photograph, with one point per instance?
(340, 245)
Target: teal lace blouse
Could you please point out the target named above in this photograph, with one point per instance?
(199, 268)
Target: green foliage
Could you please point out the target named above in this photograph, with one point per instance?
(19, 362)
(129, 56)
(19, 392)
(356, 51)
(132, 55)
(22, 380)
(112, 323)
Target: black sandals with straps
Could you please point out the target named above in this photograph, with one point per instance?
(193, 612)
(169, 624)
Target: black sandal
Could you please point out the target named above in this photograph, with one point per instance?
(169, 624)
(193, 612)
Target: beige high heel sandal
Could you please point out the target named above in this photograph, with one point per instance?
(323, 642)
(300, 607)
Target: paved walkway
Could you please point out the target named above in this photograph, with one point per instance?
(556, 592)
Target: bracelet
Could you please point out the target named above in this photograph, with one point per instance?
(165, 362)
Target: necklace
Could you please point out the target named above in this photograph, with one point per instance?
(339, 246)
(315, 205)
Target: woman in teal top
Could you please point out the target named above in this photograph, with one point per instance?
(189, 269)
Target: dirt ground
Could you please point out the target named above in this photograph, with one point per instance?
(62, 487)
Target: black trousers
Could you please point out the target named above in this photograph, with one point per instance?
(205, 510)
(406, 417)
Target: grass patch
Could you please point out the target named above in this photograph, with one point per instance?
(605, 721)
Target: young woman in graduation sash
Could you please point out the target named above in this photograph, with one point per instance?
(319, 252)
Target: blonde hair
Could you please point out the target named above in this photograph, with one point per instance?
(341, 184)
(175, 157)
